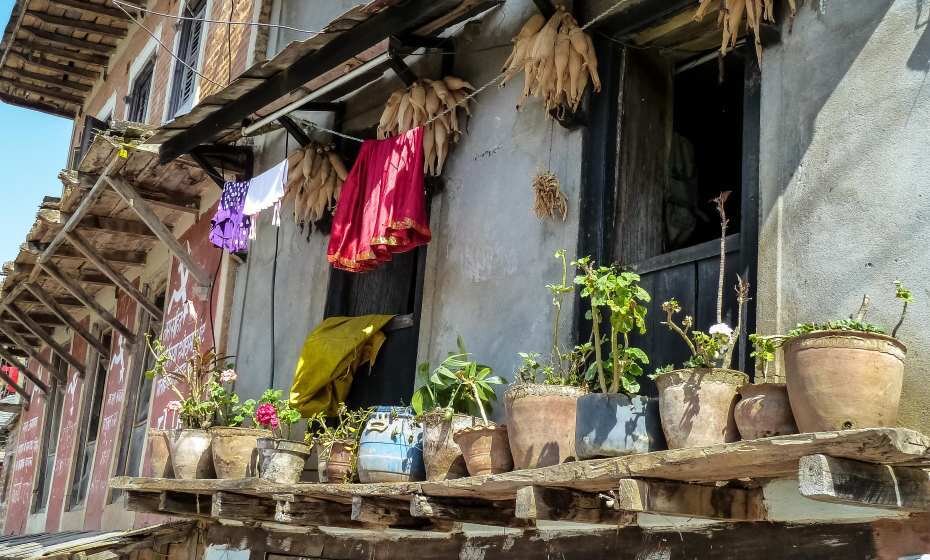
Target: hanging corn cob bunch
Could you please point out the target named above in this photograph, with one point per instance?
(315, 177)
(557, 58)
(421, 103)
(730, 19)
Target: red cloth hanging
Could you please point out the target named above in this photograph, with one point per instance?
(382, 207)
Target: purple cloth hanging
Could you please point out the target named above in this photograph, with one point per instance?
(230, 226)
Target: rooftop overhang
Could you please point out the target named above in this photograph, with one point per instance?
(53, 51)
(93, 544)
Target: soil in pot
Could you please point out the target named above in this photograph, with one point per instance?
(842, 380)
(764, 411)
(442, 456)
(338, 465)
(612, 425)
(486, 449)
(696, 406)
(191, 454)
(159, 456)
(235, 453)
(541, 424)
(287, 462)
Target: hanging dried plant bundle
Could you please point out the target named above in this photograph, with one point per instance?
(315, 177)
(730, 18)
(557, 58)
(550, 202)
(421, 103)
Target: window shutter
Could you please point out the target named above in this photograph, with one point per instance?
(188, 51)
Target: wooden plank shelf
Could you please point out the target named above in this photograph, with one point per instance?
(716, 482)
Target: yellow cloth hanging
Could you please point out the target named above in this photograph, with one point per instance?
(330, 356)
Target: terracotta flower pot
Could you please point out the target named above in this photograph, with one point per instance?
(696, 406)
(235, 453)
(286, 462)
(486, 449)
(541, 424)
(443, 457)
(842, 380)
(338, 465)
(191, 454)
(159, 457)
(764, 411)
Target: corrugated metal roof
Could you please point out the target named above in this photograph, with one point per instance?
(7, 418)
(66, 543)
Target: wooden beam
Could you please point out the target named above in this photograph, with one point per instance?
(105, 224)
(36, 380)
(690, 500)
(69, 41)
(45, 337)
(145, 213)
(537, 503)
(77, 23)
(46, 299)
(79, 87)
(239, 507)
(458, 510)
(169, 200)
(84, 58)
(381, 512)
(103, 266)
(84, 278)
(77, 291)
(120, 257)
(16, 387)
(38, 105)
(844, 481)
(43, 62)
(49, 94)
(90, 8)
(315, 512)
(145, 502)
(190, 505)
(20, 342)
(60, 301)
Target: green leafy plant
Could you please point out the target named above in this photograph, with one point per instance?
(620, 295)
(346, 429)
(230, 411)
(274, 412)
(458, 384)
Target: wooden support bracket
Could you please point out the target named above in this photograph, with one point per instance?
(843, 481)
(146, 502)
(48, 301)
(145, 213)
(103, 266)
(315, 512)
(537, 503)
(463, 510)
(78, 292)
(690, 500)
(239, 507)
(381, 512)
(16, 387)
(19, 341)
(189, 505)
(45, 337)
(6, 355)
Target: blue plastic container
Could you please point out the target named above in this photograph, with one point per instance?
(615, 425)
(391, 447)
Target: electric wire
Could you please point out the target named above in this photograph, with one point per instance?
(120, 4)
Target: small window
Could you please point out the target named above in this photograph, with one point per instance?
(94, 390)
(191, 34)
(49, 450)
(140, 93)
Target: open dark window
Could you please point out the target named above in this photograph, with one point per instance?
(140, 93)
(49, 450)
(94, 393)
(92, 126)
(189, 38)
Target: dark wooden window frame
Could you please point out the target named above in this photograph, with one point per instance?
(189, 53)
(45, 466)
(140, 92)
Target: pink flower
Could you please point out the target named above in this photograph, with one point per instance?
(267, 416)
(228, 376)
(174, 406)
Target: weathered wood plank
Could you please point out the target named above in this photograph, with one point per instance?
(44, 335)
(24, 345)
(104, 224)
(190, 505)
(315, 512)
(47, 300)
(500, 513)
(690, 500)
(536, 503)
(228, 505)
(843, 481)
(144, 502)
(380, 512)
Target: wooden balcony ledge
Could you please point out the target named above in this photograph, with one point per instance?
(880, 467)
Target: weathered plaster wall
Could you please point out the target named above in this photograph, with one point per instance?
(844, 204)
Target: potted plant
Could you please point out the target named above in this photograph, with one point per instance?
(234, 446)
(391, 447)
(282, 460)
(189, 447)
(763, 409)
(696, 402)
(337, 443)
(615, 421)
(542, 401)
(444, 408)
(845, 374)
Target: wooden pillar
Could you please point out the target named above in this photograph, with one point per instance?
(148, 216)
(48, 301)
(16, 387)
(44, 335)
(78, 292)
(11, 333)
(103, 266)
(6, 355)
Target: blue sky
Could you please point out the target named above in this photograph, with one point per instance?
(33, 149)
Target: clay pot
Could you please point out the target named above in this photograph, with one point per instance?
(338, 465)
(843, 380)
(486, 449)
(612, 425)
(443, 457)
(286, 462)
(159, 456)
(541, 424)
(696, 406)
(235, 453)
(265, 448)
(190, 453)
(764, 411)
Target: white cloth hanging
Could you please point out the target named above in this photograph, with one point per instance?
(266, 191)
